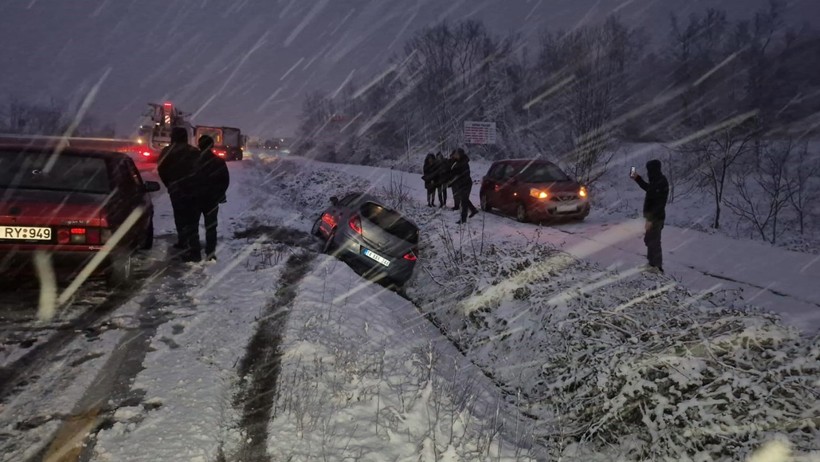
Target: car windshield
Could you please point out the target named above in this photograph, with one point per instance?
(46, 171)
(542, 173)
(390, 221)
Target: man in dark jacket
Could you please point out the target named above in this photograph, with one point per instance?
(463, 184)
(654, 210)
(176, 166)
(212, 179)
(442, 177)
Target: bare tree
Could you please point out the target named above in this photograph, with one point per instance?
(763, 193)
(586, 71)
(804, 190)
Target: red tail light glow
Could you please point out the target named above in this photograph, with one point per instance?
(410, 256)
(63, 236)
(355, 224)
(92, 236)
(146, 153)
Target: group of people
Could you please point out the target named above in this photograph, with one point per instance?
(440, 173)
(197, 180)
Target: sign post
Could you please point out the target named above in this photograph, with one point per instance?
(479, 132)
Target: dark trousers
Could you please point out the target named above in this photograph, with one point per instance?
(652, 239)
(209, 210)
(463, 195)
(442, 195)
(456, 199)
(182, 217)
(431, 195)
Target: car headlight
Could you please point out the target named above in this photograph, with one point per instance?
(582, 192)
(538, 194)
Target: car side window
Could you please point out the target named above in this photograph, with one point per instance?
(347, 200)
(134, 173)
(496, 171)
(509, 172)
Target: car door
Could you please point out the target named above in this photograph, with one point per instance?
(490, 183)
(506, 190)
(127, 194)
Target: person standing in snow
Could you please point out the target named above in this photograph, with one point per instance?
(463, 184)
(442, 175)
(429, 171)
(654, 210)
(213, 179)
(451, 162)
(176, 166)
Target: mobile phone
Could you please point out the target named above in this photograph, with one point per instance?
(631, 171)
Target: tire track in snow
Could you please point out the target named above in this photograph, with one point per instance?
(259, 368)
(76, 437)
(19, 372)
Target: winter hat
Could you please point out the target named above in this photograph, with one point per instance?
(179, 135)
(205, 142)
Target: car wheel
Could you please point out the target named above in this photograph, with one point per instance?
(485, 203)
(148, 240)
(521, 213)
(315, 229)
(329, 245)
(119, 273)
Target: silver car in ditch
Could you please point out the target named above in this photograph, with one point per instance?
(363, 231)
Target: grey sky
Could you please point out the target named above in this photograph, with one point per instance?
(248, 63)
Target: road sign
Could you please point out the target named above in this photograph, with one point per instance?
(479, 132)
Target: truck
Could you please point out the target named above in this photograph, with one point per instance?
(162, 118)
(228, 141)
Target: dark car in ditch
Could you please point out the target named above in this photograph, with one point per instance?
(361, 229)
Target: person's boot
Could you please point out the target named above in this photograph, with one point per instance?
(473, 213)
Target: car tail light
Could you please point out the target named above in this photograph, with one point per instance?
(92, 236)
(63, 236)
(77, 235)
(355, 224)
(410, 256)
(220, 152)
(146, 153)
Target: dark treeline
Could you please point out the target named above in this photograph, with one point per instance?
(51, 118)
(579, 91)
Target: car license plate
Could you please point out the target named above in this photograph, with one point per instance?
(373, 255)
(567, 208)
(25, 233)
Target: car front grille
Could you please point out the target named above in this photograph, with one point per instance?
(564, 197)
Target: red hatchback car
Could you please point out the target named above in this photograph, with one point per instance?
(533, 190)
(72, 206)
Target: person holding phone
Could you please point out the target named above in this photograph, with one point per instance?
(654, 210)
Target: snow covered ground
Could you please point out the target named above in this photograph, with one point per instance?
(514, 342)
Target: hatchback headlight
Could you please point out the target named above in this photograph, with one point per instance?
(582, 192)
(538, 194)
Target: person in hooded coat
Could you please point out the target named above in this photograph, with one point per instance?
(654, 210)
(442, 175)
(463, 184)
(429, 171)
(212, 179)
(176, 167)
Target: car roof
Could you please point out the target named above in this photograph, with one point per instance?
(523, 162)
(50, 149)
(366, 197)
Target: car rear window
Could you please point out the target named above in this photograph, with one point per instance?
(542, 173)
(390, 221)
(63, 172)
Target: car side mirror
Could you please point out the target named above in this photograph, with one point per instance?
(334, 200)
(151, 186)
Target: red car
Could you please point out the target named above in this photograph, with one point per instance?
(533, 190)
(72, 206)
